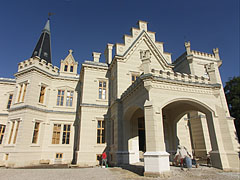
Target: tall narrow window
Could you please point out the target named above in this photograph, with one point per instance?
(102, 90)
(60, 97)
(66, 134)
(66, 67)
(20, 92)
(2, 130)
(100, 132)
(9, 101)
(71, 68)
(42, 94)
(11, 132)
(16, 132)
(24, 91)
(35, 132)
(56, 133)
(69, 98)
(134, 77)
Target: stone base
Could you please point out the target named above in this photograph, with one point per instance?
(156, 163)
(161, 175)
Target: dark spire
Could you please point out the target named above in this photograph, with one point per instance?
(43, 47)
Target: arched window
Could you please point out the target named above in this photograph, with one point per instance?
(65, 67)
(71, 68)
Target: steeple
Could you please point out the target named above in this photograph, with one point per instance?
(43, 47)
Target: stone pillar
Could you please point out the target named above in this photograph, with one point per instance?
(223, 154)
(156, 159)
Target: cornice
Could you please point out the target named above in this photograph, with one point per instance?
(39, 109)
(34, 68)
(8, 80)
(93, 105)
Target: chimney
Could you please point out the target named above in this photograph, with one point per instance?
(96, 56)
(108, 53)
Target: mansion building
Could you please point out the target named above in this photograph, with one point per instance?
(138, 105)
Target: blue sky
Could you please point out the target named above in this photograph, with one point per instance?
(87, 26)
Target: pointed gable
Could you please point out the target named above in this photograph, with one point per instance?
(141, 39)
(69, 65)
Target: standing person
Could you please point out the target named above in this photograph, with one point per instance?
(184, 156)
(104, 159)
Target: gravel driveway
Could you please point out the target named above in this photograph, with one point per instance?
(202, 173)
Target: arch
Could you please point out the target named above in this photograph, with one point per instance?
(175, 109)
(132, 138)
(202, 106)
(130, 111)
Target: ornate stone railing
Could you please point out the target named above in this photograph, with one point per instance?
(181, 76)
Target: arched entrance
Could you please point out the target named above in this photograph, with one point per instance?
(190, 124)
(134, 133)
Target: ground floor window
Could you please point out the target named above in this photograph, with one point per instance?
(59, 156)
(56, 133)
(66, 134)
(61, 130)
(17, 122)
(35, 132)
(2, 130)
(100, 132)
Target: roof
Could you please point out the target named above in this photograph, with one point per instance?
(43, 47)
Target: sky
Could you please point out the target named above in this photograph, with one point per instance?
(87, 26)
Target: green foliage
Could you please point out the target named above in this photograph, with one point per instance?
(232, 92)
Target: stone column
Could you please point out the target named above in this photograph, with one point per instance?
(156, 159)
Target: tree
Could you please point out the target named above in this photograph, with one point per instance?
(232, 92)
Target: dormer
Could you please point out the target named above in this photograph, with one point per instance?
(69, 65)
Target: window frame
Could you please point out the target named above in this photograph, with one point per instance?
(134, 77)
(20, 92)
(2, 132)
(57, 132)
(71, 68)
(65, 69)
(67, 134)
(11, 132)
(69, 99)
(60, 97)
(101, 137)
(101, 89)
(16, 132)
(42, 94)
(60, 156)
(9, 103)
(24, 91)
(36, 132)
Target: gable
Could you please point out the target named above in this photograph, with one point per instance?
(143, 42)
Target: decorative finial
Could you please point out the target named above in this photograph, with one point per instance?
(188, 47)
(50, 14)
(70, 51)
(216, 53)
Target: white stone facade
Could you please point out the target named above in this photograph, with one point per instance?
(137, 104)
